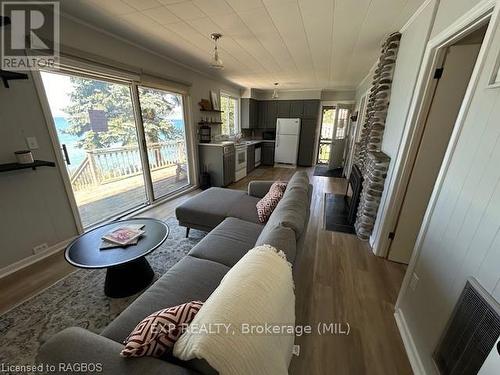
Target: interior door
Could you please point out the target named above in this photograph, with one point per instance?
(339, 135)
(448, 97)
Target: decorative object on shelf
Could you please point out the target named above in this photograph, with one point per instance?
(275, 91)
(373, 163)
(24, 157)
(216, 62)
(15, 166)
(205, 105)
(215, 100)
(205, 134)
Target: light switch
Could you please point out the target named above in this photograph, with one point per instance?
(32, 143)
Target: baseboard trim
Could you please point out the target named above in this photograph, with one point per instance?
(28, 261)
(411, 350)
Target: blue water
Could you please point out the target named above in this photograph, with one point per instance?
(77, 155)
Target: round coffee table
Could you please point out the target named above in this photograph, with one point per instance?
(128, 271)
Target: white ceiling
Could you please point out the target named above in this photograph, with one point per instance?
(302, 44)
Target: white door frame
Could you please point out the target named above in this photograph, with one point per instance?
(417, 113)
(476, 17)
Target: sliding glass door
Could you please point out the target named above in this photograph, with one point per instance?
(96, 128)
(164, 129)
(117, 159)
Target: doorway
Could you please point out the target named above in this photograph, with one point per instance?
(451, 79)
(117, 158)
(333, 134)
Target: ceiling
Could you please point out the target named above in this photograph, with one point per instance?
(302, 44)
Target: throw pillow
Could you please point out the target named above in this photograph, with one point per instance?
(158, 332)
(266, 205)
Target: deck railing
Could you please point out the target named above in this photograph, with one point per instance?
(110, 164)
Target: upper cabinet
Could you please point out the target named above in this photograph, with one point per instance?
(262, 114)
(296, 108)
(249, 113)
(283, 108)
(311, 108)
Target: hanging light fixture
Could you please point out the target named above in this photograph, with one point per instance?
(216, 62)
(275, 92)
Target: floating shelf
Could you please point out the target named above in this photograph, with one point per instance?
(211, 110)
(209, 123)
(15, 166)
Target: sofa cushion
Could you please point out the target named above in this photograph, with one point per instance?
(292, 210)
(228, 242)
(245, 209)
(157, 333)
(209, 208)
(299, 180)
(268, 203)
(282, 238)
(190, 279)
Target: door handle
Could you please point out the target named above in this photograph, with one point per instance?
(66, 155)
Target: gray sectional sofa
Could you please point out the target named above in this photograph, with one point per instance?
(231, 218)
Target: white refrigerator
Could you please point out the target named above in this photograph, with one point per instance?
(287, 141)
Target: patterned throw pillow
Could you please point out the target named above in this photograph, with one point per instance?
(158, 332)
(266, 205)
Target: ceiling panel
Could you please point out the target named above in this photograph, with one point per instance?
(302, 44)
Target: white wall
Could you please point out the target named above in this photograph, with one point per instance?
(412, 47)
(449, 11)
(34, 205)
(462, 235)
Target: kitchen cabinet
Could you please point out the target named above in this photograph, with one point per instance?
(283, 108)
(310, 109)
(262, 114)
(267, 153)
(296, 108)
(249, 113)
(307, 142)
(219, 162)
(250, 158)
(271, 114)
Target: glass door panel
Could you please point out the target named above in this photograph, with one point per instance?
(164, 128)
(96, 128)
(326, 135)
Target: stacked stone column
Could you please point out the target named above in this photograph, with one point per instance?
(368, 157)
(377, 164)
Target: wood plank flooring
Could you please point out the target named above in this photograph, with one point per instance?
(339, 280)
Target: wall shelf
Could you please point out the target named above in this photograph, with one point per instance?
(211, 110)
(15, 166)
(209, 123)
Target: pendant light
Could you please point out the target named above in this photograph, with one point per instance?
(216, 62)
(275, 92)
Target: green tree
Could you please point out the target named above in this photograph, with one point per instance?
(115, 101)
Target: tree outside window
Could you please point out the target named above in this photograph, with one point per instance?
(230, 115)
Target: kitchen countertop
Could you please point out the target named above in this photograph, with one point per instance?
(243, 143)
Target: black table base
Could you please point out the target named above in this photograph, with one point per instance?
(129, 278)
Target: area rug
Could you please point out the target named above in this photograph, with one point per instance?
(323, 171)
(79, 300)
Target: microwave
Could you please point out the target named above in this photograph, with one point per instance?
(269, 135)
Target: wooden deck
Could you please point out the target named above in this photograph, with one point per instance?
(102, 201)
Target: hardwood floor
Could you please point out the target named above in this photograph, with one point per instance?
(339, 280)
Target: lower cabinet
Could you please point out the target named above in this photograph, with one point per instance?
(267, 153)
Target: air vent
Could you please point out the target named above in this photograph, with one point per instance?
(470, 334)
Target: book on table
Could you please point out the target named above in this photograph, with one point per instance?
(126, 235)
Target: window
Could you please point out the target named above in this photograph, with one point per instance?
(230, 116)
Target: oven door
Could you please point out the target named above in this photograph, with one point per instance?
(241, 158)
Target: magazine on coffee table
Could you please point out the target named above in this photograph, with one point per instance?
(122, 236)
